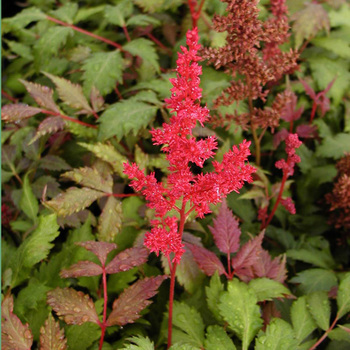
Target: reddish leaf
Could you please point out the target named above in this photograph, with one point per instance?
(206, 260)
(42, 95)
(127, 259)
(133, 300)
(14, 335)
(225, 230)
(290, 111)
(279, 137)
(73, 306)
(49, 125)
(306, 131)
(82, 268)
(96, 99)
(308, 89)
(51, 336)
(14, 113)
(100, 249)
(248, 253)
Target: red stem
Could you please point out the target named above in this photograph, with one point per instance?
(101, 38)
(195, 14)
(8, 96)
(314, 106)
(125, 30)
(325, 334)
(159, 43)
(105, 299)
(291, 126)
(118, 92)
(95, 114)
(68, 118)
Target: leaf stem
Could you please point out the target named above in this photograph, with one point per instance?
(160, 44)
(313, 112)
(68, 118)
(92, 35)
(125, 30)
(8, 96)
(105, 300)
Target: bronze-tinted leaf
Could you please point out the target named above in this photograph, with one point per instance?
(110, 220)
(206, 260)
(73, 200)
(72, 306)
(225, 230)
(96, 99)
(127, 259)
(82, 268)
(14, 113)
(51, 336)
(49, 125)
(90, 177)
(100, 249)
(42, 95)
(14, 335)
(133, 300)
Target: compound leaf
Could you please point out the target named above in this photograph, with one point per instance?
(74, 307)
(49, 125)
(22, 19)
(334, 147)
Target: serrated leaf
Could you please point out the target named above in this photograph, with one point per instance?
(83, 336)
(320, 308)
(238, 306)
(51, 336)
(343, 296)
(22, 19)
(69, 93)
(102, 70)
(213, 294)
(20, 49)
(73, 200)
(133, 300)
(206, 260)
(109, 154)
(28, 202)
(308, 21)
(82, 268)
(139, 343)
(14, 113)
(41, 94)
(225, 230)
(100, 249)
(97, 101)
(117, 14)
(340, 333)
(320, 258)
(124, 117)
(14, 335)
(66, 12)
(49, 44)
(74, 307)
(314, 280)
(145, 49)
(48, 126)
(247, 255)
(90, 177)
(268, 289)
(334, 147)
(150, 6)
(110, 220)
(341, 17)
(142, 21)
(185, 346)
(217, 339)
(188, 325)
(127, 259)
(302, 321)
(86, 12)
(279, 335)
(336, 45)
(54, 163)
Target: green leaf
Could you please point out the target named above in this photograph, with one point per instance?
(238, 306)
(341, 17)
(189, 324)
(313, 280)
(319, 308)
(86, 12)
(82, 337)
(302, 321)
(107, 153)
(336, 45)
(71, 94)
(324, 70)
(213, 292)
(142, 21)
(145, 49)
(268, 289)
(91, 177)
(343, 296)
(150, 6)
(334, 147)
(340, 333)
(320, 258)
(139, 343)
(28, 202)
(117, 14)
(217, 339)
(21, 20)
(184, 347)
(102, 70)
(20, 49)
(49, 44)
(278, 335)
(124, 117)
(66, 12)
(73, 200)
(110, 220)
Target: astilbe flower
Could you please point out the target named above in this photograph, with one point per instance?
(195, 192)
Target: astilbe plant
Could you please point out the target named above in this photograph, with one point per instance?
(183, 191)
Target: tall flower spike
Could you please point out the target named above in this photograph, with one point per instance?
(195, 192)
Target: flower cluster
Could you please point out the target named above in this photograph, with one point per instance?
(194, 192)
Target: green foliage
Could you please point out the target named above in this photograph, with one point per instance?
(217, 338)
(267, 289)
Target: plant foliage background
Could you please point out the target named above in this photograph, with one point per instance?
(83, 83)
